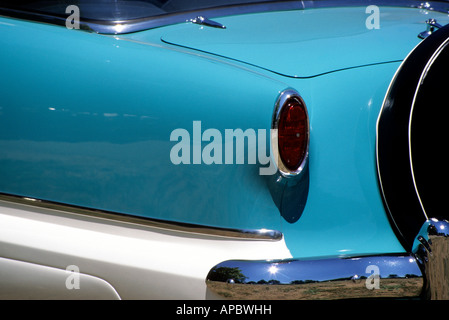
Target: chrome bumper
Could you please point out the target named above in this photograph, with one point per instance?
(423, 273)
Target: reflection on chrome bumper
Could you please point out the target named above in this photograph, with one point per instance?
(335, 278)
(431, 248)
(382, 276)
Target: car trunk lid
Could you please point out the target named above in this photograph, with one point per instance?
(306, 43)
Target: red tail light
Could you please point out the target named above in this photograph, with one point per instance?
(292, 126)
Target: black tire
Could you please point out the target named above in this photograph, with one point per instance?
(412, 138)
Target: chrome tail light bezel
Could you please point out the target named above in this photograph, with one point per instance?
(284, 97)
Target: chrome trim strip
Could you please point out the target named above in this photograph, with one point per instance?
(283, 97)
(382, 276)
(128, 26)
(244, 234)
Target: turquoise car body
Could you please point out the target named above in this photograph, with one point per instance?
(86, 119)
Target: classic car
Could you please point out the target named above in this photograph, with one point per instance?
(223, 149)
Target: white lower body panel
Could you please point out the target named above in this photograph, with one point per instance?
(51, 254)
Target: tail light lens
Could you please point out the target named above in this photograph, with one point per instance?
(292, 124)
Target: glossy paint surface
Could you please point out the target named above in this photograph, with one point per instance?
(344, 212)
(305, 43)
(86, 119)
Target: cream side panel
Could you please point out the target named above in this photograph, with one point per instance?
(138, 262)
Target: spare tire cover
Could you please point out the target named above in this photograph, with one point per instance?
(412, 138)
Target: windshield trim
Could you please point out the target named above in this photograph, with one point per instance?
(136, 25)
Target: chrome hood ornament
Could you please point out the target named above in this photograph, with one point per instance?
(432, 25)
(206, 22)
